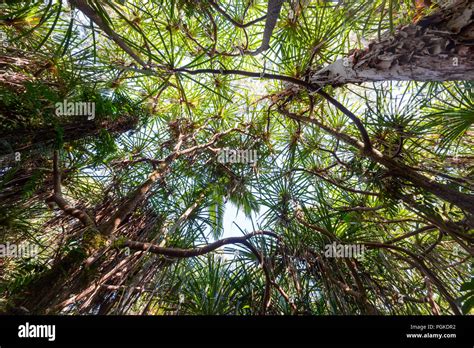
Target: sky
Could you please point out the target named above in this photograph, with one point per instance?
(234, 217)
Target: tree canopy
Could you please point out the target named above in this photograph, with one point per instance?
(359, 114)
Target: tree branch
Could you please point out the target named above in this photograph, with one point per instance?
(420, 265)
(335, 183)
(193, 252)
(88, 11)
(273, 12)
(57, 196)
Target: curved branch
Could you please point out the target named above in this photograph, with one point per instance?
(267, 295)
(354, 118)
(360, 208)
(57, 196)
(417, 262)
(290, 79)
(193, 252)
(398, 169)
(335, 183)
(413, 233)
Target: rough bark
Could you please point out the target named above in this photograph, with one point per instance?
(27, 139)
(35, 144)
(437, 48)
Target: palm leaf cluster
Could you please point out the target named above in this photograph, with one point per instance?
(383, 165)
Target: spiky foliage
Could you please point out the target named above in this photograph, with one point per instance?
(136, 197)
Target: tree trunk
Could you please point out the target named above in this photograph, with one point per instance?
(25, 140)
(34, 146)
(437, 48)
